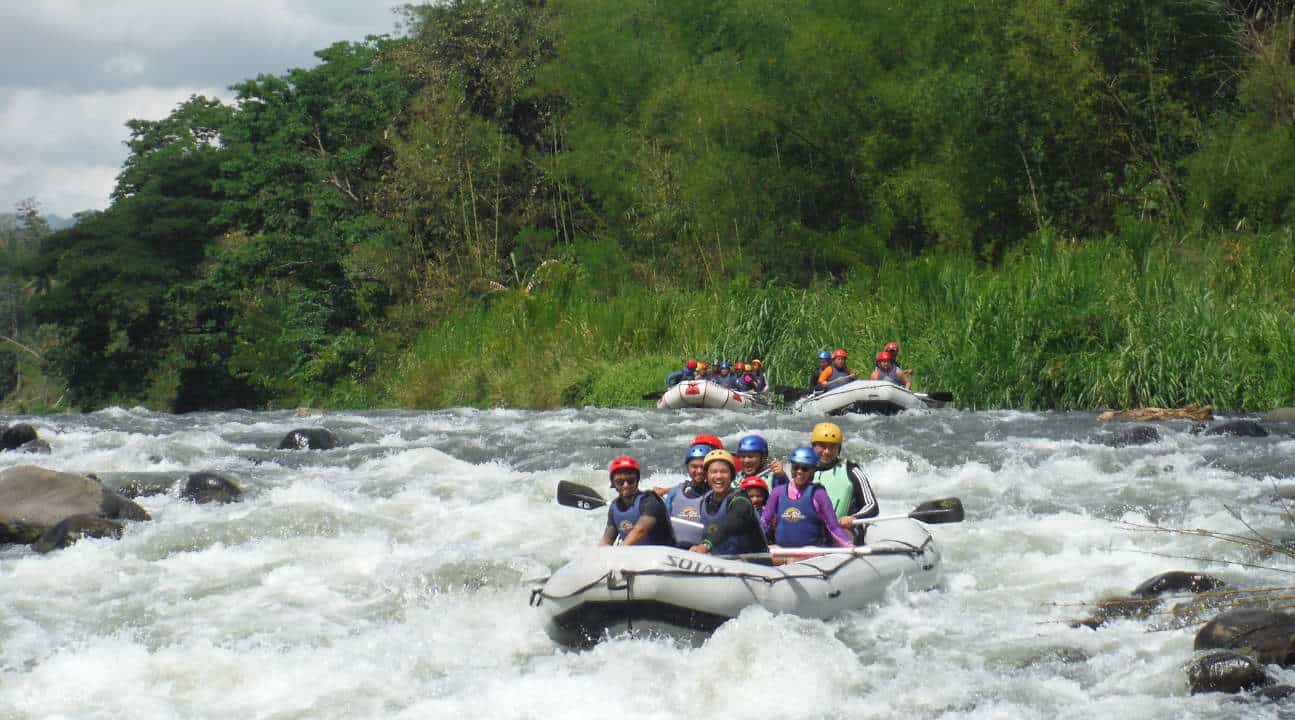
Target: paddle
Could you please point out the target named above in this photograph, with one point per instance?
(931, 512)
(814, 551)
(938, 395)
(653, 395)
(791, 394)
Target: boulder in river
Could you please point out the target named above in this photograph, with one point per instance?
(1136, 435)
(1189, 412)
(1238, 428)
(34, 447)
(71, 529)
(1177, 581)
(208, 487)
(309, 439)
(1267, 635)
(15, 436)
(33, 500)
(1225, 671)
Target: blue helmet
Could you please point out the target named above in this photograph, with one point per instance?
(824, 355)
(804, 456)
(753, 444)
(696, 452)
(724, 365)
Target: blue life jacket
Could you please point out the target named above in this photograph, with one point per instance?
(679, 376)
(685, 503)
(625, 520)
(798, 522)
(731, 545)
(892, 376)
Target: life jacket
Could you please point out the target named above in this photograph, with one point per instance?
(892, 376)
(798, 522)
(840, 490)
(686, 507)
(837, 375)
(734, 544)
(625, 520)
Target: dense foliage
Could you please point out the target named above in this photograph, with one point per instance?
(527, 202)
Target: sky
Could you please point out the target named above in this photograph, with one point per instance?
(72, 72)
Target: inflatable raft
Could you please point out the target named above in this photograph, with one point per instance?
(614, 590)
(706, 394)
(865, 396)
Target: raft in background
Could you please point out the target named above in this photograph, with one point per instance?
(868, 396)
(653, 589)
(709, 395)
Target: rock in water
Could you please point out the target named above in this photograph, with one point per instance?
(309, 439)
(15, 436)
(34, 447)
(74, 528)
(1267, 635)
(208, 487)
(1238, 428)
(33, 500)
(1177, 581)
(1225, 671)
(1138, 435)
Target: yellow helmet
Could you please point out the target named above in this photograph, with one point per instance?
(703, 366)
(724, 455)
(826, 433)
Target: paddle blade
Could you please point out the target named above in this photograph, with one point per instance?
(791, 394)
(938, 512)
(941, 395)
(578, 496)
(653, 395)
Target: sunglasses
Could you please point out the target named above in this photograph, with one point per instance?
(625, 481)
(803, 468)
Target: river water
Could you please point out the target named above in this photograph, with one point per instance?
(389, 577)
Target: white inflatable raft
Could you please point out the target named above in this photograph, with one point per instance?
(865, 396)
(614, 590)
(706, 394)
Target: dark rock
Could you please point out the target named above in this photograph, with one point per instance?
(1137, 435)
(1266, 635)
(1114, 608)
(15, 436)
(1276, 693)
(1225, 671)
(1280, 415)
(35, 447)
(309, 439)
(208, 487)
(33, 500)
(1177, 581)
(1239, 428)
(144, 487)
(69, 530)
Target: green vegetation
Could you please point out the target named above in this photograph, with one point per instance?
(539, 203)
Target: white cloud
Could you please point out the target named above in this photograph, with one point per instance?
(76, 70)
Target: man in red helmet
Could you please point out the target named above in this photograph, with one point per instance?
(905, 374)
(837, 373)
(689, 372)
(634, 517)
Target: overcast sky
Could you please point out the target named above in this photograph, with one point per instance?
(72, 72)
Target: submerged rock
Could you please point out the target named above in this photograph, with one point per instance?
(1225, 671)
(71, 529)
(1238, 428)
(309, 439)
(1137, 435)
(33, 500)
(208, 487)
(1115, 608)
(34, 447)
(1267, 635)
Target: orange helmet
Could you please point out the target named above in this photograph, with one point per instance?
(839, 353)
(892, 347)
(883, 355)
(756, 363)
(740, 367)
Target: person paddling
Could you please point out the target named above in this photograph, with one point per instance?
(634, 517)
(845, 481)
(837, 373)
(800, 513)
(824, 360)
(731, 525)
(689, 372)
(905, 374)
(755, 369)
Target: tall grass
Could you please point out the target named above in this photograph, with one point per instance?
(1124, 321)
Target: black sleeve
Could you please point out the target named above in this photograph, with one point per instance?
(865, 503)
(663, 531)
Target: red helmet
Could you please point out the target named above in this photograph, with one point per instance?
(754, 481)
(892, 347)
(624, 462)
(839, 353)
(710, 440)
(883, 355)
(691, 365)
(740, 367)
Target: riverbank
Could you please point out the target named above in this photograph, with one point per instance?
(1125, 321)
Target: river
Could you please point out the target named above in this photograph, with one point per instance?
(388, 578)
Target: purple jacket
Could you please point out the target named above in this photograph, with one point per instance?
(825, 512)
